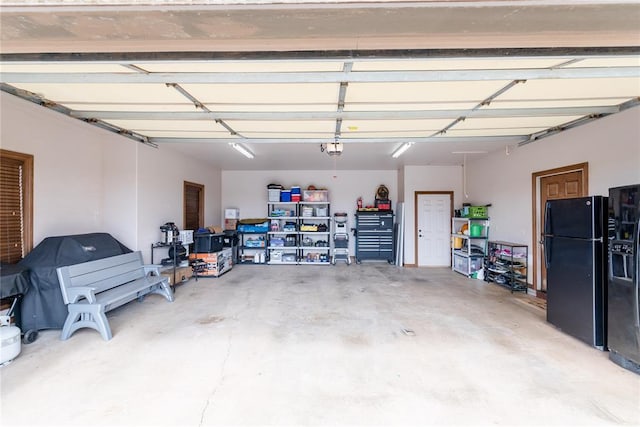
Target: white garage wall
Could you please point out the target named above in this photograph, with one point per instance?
(610, 145)
(161, 176)
(69, 182)
(426, 178)
(90, 180)
(119, 168)
(247, 190)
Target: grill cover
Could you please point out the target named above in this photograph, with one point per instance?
(42, 305)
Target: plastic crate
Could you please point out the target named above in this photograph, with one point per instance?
(475, 212)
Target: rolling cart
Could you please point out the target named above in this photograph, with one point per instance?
(340, 239)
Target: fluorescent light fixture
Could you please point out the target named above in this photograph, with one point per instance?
(404, 147)
(242, 150)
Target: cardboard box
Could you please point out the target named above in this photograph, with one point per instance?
(213, 264)
(182, 274)
(233, 213)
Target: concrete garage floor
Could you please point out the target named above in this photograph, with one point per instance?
(315, 345)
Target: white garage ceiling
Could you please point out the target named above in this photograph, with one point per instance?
(283, 106)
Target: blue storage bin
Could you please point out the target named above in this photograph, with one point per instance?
(285, 195)
(254, 228)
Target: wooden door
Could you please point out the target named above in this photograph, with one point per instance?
(193, 206)
(563, 183)
(433, 236)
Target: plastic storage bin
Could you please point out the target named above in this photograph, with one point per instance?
(476, 230)
(467, 265)
(475, 212)
(285, 195)
(208, 242)
(274, 194)
(315, 195)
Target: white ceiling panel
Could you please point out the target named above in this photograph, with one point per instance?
(240, 66)
(551, 103)
(455, 132)
(282, 126)
(169, 125)
(255, 93)
(175, 107)
(409, 133)
(514, 122)
(74, 67)
(186, 134)
(409, 106)
(574, 89)
(287, 135)
(356, 126)
(457, 64)
(423, 92)
(267, 107)
(606, 62)
(102, 93)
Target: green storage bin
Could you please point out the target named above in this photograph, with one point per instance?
(476, 230)
(475, 212)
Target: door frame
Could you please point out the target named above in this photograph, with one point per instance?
(200, 187)
(536, 215)
(415, 216)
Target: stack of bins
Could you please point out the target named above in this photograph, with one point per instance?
(296, 194)
(209, 256)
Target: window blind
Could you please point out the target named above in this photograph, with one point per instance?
(12, 242)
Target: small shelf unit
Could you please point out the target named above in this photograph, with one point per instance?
(250, 252)
(506, 265)
(469, 237)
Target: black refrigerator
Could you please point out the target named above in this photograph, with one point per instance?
(575, 252)
(624, 259)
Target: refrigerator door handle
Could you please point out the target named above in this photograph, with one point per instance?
(547, 219)
(546, 250)
(636, 301)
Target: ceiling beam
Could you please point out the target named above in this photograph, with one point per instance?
(511, 139)
(344, 115)
(324, 77)
(324, 55)
(342, 94)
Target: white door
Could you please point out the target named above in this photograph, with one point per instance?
(434, 230)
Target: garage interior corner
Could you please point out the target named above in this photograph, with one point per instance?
(346, 345)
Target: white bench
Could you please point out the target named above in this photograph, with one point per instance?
(91, 289)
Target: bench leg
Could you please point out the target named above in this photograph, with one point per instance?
(163, 289)
(86, 316)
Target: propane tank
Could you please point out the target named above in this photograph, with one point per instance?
(9, 340)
